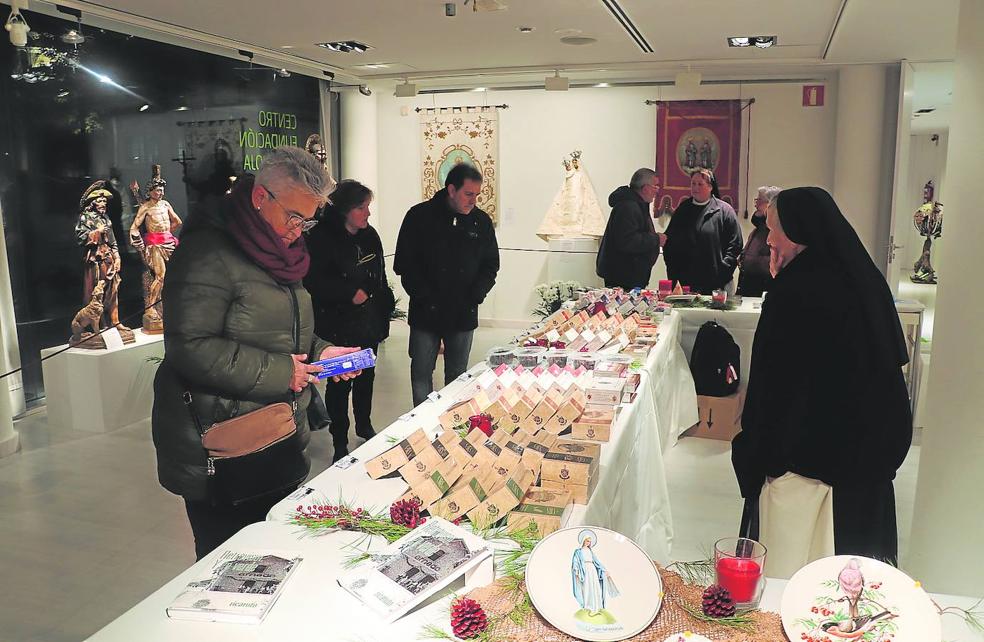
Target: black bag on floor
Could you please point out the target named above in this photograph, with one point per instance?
(715, 361)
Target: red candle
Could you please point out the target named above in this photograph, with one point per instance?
(686, 289)
(665, 285)
(740, 576)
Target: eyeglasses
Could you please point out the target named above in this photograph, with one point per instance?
(294, 220)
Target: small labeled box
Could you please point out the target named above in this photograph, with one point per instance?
(595, 424)
(605, 391)
(545, 509)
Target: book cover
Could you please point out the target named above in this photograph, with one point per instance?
(241, 586)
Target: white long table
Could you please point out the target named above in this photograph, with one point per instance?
(313, 608)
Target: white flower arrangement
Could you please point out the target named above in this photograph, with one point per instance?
(553, 295)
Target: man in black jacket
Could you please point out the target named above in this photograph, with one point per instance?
(447, 258)
(630, 246)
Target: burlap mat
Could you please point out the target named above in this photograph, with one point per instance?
(497, 601)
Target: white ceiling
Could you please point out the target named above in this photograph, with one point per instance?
(417, 40)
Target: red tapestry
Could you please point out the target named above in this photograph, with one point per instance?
(691, 134)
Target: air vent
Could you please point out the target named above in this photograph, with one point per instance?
(345, 46)
(623, 19)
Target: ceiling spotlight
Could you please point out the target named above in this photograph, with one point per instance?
(405, 90)
(764, 42)
(144, 107)
(526, 29)
(345, 46)
(603, 84)
(364, 90)
(17, 26)
(742, 41)
(556, 82)
(480, 89)
(283, 73)
(73, 37)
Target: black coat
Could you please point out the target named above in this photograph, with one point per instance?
(755, 277)
(702, 245)
(339, 268)
(447, 263)
(630, 245)
(840, 416)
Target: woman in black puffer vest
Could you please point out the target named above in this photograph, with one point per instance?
(352, 299)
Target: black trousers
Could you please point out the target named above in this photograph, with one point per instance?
(865, 522)
(337, 402)
(213, 525)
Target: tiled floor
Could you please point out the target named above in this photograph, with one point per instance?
(86, 532)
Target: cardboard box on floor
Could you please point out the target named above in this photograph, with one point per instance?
(720, 417)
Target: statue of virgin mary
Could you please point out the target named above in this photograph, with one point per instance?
(574, 212)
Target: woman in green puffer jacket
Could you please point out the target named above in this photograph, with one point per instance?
(239, 333)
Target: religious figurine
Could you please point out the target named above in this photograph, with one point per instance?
(152, 234)
(706, 160)
(575, 211)
(314, 145)
(691, 154)
(928, 219)
(101, 261)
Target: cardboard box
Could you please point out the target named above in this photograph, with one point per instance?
(391, 460)
(502, 499)
(580, 493)
(605, 391)
(565, 468)
(540, 415)
(466, 494)
(539, 445)
(547, 509)
(569, 446)
(720, 417)
(595, 424)
(459, 414)
(569, 411)
(435, 486)
(426, 462)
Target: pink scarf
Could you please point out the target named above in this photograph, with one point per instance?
(285, 263)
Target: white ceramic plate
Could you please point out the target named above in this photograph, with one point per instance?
(681, 298)
(614, 604)
(891, 606)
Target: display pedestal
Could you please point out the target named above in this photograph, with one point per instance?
(573, 260)
(102, 390)
(9, 439)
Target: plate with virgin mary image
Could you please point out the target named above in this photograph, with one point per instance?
(848, 598)
(593, 584)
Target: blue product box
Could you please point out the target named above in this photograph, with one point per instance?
(346, 363)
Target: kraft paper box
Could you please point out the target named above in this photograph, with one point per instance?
(466, 494)
(391, 460)
(566, 414)
(639, 350)
(501, 436)
(480, 402)
(462, 451)
(577, 344)
(632, 382)
(610, 369)
(502, 500)
(481, 466)
(497, 410)
(556, 319)
(426, 462)
(459, 414)
(517, 414)
(595, 424)
(570, 446)
(546, 510)
(565, 468)
(435, 486)
(538, 446)
(580, 493)
(605, 391)
(540, 415)
(505, 463)
(720, 417)
(521, 437)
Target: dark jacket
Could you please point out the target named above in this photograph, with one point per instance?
(839, 416)
(228, 338)
(702, 245)
(630, 245)
(339, 268)
(755, 277)
(447, 263)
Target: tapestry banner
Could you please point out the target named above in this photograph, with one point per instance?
(454, 135)
(694, 134)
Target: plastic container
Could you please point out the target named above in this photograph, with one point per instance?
(558, 357)
(500, 355)
(530, 357)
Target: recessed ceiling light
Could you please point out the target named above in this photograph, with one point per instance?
(578, 41)
(345, 46)
(144, 107)
(764, 42)
(480, 89)
(739, 41)
(63, 93)
(286, 46)
(181, 108)
(375, 65)
(603, 84)
(526, 29)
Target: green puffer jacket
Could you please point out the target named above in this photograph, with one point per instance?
(228, 337)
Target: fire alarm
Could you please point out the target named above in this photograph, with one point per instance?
(449, 9)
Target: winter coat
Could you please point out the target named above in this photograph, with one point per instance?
(630, 245)
(340, 266)
(228, 339)
(702, 245)
(755, 277)
(447, 263)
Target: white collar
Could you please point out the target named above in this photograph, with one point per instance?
(702, 204)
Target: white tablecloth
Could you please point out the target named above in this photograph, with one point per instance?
(740, 322)
(313, 608)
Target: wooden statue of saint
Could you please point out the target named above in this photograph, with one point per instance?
(152, 233)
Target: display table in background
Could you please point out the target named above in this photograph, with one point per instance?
(740, 322)
(102, 390)
(314, 608)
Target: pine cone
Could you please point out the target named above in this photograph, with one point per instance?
(717, 602)
(468, 619)
(406, 512)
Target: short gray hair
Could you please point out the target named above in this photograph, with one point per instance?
(642, 177)
(768, 193)
(300, 168)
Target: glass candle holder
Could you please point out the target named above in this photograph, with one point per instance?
(738, 566)
(719, 296)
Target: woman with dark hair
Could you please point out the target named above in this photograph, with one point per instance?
(817, 419)
(352, 300)
(703, 238)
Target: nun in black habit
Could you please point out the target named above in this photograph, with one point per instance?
(840, 416)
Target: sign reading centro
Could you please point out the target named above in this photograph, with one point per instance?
(273, 129)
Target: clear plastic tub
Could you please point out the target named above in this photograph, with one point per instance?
(500, 355)
(586, 359)
(558, 358)
(530, 357)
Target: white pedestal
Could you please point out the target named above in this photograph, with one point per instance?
(102, 390)
(573, 260)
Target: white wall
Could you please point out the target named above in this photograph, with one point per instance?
(927, 160)
(615, 129)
